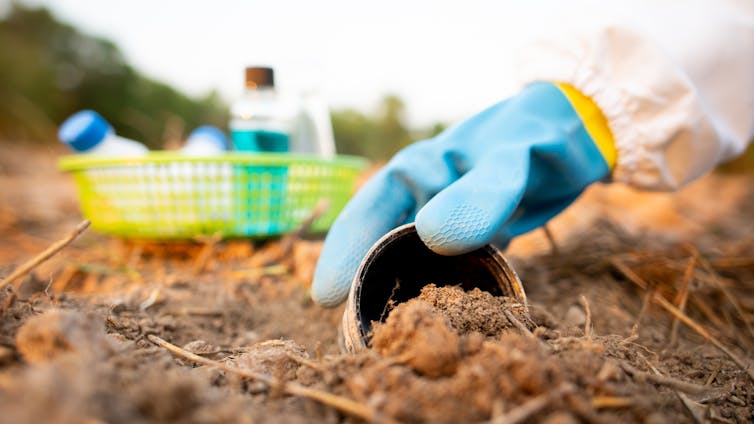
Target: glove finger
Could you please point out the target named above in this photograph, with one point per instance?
(388, 200)
(381, 205)
(470, 212)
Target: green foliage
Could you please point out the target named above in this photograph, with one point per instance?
(377, 137)
(49, 70)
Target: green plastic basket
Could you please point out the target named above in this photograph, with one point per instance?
(166, 195)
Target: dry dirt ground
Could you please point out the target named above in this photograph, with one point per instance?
(640, 311)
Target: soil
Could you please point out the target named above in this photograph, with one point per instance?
(476, 310)
(596, 346)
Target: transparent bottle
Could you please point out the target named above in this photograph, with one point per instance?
(88, 132)
(313, 132)
(261, 120)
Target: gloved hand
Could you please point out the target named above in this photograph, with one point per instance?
(500, 174)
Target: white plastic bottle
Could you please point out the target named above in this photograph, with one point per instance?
(205, 141)
(261, 120)
(88, 132)
(313, 134)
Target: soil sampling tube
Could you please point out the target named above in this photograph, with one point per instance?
(397, 267)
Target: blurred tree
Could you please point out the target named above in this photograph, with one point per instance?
(49, 70)
(353, 131)
(391, 121)
(379, 137)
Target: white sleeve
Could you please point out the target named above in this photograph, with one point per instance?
(675, 80)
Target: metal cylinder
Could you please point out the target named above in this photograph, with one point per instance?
(397, 267)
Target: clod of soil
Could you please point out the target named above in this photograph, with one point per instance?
(475, 310)
(58, 332)
(416, 335)
(505, 372)
(272, 357)
(423, 333)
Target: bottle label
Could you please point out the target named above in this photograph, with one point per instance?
(259, 140)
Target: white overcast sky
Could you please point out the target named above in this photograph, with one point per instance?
(446, 59)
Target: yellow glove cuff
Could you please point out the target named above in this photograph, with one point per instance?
(594, 121)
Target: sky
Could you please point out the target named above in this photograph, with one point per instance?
(447, 60)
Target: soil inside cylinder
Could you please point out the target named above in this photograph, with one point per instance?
(397, 269)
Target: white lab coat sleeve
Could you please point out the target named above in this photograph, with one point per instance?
(675, 79)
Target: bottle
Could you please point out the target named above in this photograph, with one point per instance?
(88, 132)
(205, 141)
(313, 132)
(261, 120)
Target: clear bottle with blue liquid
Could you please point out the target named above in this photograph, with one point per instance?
(261, 120)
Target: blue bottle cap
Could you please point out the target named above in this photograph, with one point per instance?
(84, 130)
(216, 135)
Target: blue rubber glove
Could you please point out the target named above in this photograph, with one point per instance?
(500, 174)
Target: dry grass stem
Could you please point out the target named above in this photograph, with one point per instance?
(257, 272)
(523, 329)
(611, 402)
(554, 250)
(524, 411)
(306, 362)
(150, 300)
(708, 312)
(518, 324)
(588, 321)
(696, 410)
(657, 298)
(390, 304)
(702, 332)
(46, 254)
(287, 242)
(720, 283)
(740, 262)
(583, 409)
(626, 271)
(713, 375)
(717, 281)
(673, 383)
(704, 276)
(682, 298)
(345, 405)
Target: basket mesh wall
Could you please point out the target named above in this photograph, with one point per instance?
(233, 197)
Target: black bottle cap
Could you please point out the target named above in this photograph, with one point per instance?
(259, 76)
